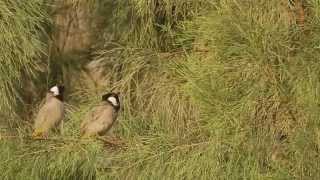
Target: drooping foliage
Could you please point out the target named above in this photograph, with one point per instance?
(222, 89)
(20, 48)
(258, 88)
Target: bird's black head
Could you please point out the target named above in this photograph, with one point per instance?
(112, 99)
(57, 91)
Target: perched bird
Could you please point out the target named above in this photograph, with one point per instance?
(100, 120)
(51, 113)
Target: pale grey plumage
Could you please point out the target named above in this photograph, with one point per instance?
(50, 116)
(101, 118)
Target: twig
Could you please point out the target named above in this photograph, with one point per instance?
(170, 151)
(107, 142)
(5, 137)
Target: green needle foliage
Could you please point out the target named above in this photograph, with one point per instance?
(149, 23)
(48, 160)
(20, 46)
(258, 89)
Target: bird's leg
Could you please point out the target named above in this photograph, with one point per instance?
(45, 135)
(61, 128)
(40, 134)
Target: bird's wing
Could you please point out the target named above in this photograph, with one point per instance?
(49, 115)
(105, 120)
(94, 119)
(90, 117)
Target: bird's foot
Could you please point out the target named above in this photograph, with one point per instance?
(39, 135)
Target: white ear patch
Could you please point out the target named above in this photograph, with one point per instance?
(113, 101)
(55, 90)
